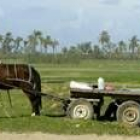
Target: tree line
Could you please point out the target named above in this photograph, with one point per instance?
(9, 44)
(38, 43)
(107, 49)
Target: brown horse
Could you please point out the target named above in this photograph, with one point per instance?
(24, 77)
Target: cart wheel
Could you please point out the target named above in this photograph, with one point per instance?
(129, 113)
(80, 109)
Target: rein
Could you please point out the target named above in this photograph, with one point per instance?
(16, 87)
(48, 95)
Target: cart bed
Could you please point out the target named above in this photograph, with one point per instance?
(95, 93)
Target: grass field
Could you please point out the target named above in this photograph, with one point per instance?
(122, 71)
(17, 119)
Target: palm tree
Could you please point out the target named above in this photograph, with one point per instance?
(104, 37)
(96, 51)
(111, 49)
(73, 50)
(33, 40)
(32, 44)
(133, 44)
(64, 50)
(7, 42)
(41, 38)
(1, 40)
(104, 40)
(54, 43)
(47, 41)
(17, 43)
(25, 43)
(121, 46)
(38, 35)
(85, 47)
(27, 49)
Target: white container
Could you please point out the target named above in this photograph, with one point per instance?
(101, 83)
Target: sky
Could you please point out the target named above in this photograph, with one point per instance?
(71, 21)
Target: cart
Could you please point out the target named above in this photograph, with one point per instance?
(87, 104)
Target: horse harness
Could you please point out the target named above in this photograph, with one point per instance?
(16, 73)
(17, 78)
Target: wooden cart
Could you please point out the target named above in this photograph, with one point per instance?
(124, 104)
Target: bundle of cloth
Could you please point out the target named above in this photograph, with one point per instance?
(86, 86)
(80, 85)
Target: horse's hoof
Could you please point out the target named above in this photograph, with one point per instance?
(33, 114)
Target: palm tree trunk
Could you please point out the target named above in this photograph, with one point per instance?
(46, 49)
(53, 50)
(41, 48)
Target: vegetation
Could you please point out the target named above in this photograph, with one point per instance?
(115, 62)
(120, 73)
(45, 47)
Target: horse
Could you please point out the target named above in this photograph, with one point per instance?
(24, 77)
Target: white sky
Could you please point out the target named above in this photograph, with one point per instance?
(71, 21)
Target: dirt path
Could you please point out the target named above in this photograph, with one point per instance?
(40, 136)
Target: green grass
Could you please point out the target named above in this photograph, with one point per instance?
(63, 126)
(18, 118)
(52, 120)
(123, 71)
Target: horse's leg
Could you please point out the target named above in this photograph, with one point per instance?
(34, 100)
(31, 99)
(36, 106)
